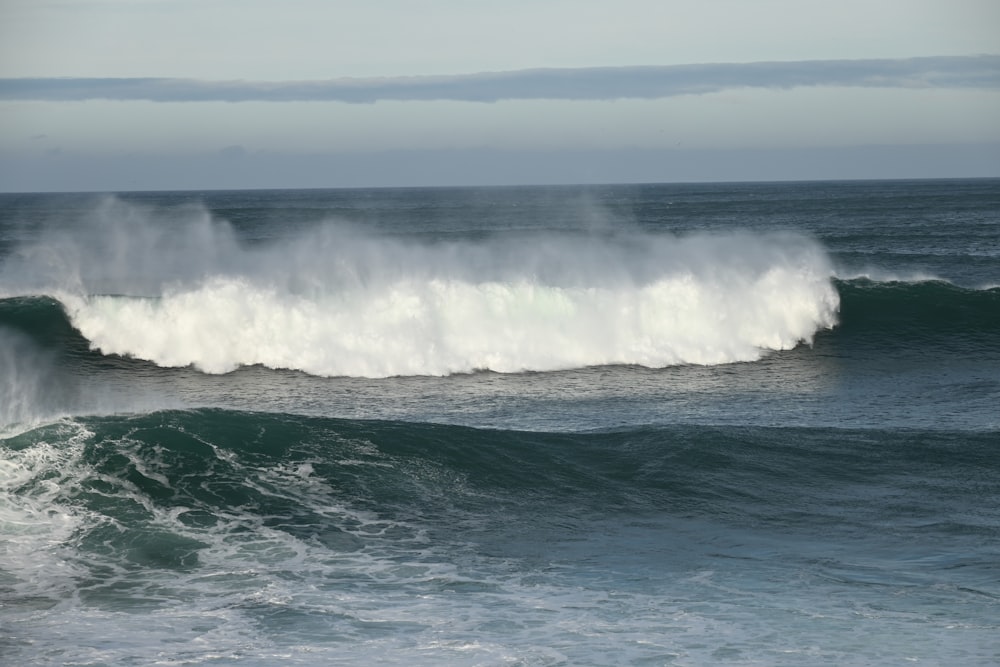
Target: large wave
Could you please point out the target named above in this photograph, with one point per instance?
(337, 541)
(179, 288)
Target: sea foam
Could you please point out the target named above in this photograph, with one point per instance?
(337, 301)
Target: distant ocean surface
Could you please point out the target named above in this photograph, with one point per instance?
(714, 424)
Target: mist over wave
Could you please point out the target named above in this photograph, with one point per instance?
(179, 287)
(29, 389)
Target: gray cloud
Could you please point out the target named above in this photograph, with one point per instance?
(593, 83)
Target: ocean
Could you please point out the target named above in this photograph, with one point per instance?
(698, 424)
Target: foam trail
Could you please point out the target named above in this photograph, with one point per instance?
(337, 302)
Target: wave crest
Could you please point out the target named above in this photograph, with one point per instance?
(336, 301)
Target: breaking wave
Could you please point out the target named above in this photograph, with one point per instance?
(179, 288)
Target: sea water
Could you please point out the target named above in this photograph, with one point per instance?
(645, 424)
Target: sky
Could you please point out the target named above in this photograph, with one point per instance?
(113, 95)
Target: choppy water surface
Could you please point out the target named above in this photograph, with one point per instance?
(712, 424)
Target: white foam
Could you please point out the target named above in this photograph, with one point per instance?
(334, 301)
(883, 276)
(35, 524)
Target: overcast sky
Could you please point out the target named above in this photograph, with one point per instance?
(170, 94)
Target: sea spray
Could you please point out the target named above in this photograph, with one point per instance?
(179, 290)
(31, 390)
(119, 247)
(832, 503)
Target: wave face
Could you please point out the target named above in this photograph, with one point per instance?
(920, 311)
(178, 288)
(247, 535)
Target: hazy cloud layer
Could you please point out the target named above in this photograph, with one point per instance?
(232, 168)
(595, 83)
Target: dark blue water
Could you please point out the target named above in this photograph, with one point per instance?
(651, 424)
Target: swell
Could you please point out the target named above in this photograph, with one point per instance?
(918, 311)
(205, 464)
(288, 528)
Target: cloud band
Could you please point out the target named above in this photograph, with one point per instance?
(594, 83)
